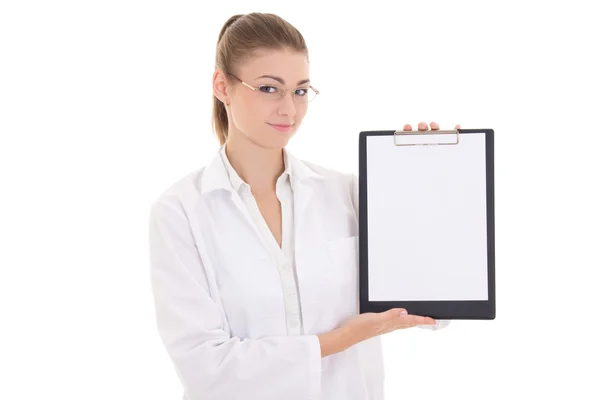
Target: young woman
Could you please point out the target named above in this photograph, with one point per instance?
(254, 257)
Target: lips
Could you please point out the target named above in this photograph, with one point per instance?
(282, 127)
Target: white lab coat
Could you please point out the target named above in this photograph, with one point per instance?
(218, 297)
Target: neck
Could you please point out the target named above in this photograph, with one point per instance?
(257, 166)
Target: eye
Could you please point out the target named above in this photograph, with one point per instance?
(301, 92)
(269, 89)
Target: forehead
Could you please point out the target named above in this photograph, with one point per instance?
(289, 65)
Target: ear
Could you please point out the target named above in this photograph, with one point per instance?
(221, 88)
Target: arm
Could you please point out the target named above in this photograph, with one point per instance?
(210, 363)
(439, 324)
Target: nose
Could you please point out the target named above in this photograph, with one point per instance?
(287, 106)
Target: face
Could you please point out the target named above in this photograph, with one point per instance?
(256, 116)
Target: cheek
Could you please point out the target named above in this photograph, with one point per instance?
(248, 115)
(300, 113)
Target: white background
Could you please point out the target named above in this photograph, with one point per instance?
(103, 104)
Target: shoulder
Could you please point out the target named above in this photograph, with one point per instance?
(343, 183)
(345, 180)
(180, 193)
(329, 174)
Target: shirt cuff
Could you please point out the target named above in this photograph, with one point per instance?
(439, 324)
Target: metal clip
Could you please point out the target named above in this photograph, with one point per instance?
(424, 135)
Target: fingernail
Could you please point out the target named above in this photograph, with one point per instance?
(403, 312)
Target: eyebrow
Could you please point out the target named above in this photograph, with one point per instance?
(280, 80)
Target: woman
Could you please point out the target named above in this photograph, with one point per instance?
(254, 257)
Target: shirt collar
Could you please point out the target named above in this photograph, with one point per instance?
(215, 175)
(237, 183)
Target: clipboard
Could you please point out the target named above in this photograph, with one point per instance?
(426, 223)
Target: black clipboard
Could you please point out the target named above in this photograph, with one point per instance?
(440, 271)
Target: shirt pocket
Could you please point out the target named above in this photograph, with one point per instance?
(342, 273)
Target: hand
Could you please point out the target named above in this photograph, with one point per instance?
(423, 127)
(365, 326)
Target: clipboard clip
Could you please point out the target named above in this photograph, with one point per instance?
(423, 138)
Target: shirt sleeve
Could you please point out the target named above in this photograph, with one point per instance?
(210, 363)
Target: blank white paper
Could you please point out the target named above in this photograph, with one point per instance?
(427, 228)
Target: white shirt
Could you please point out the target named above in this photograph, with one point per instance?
(221, 309)
(283, 257)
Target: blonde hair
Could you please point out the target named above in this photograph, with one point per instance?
(240, 36)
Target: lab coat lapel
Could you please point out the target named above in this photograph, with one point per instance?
(215, 178)
(304, 182)
(237, 200)
(308, 239)
(309, 214)
(303, 229)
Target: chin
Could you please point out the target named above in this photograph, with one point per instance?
(277, 140)
(270, 142)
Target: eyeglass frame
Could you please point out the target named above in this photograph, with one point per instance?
(284, 90)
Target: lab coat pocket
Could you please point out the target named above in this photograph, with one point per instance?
(343, 274)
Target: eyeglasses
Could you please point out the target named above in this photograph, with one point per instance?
(275, 92)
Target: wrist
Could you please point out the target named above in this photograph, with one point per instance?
(347, 337)
(336, 341)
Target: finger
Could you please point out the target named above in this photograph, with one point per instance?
(423, 126)
(414, 320)
(457, 126)
(435, 126)
(420, 320)
(407, 127)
